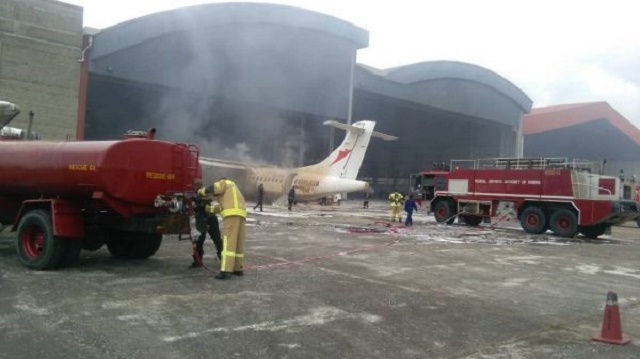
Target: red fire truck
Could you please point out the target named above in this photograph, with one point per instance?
(565, 196)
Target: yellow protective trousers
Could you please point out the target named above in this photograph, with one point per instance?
(233, 235)
(396, 212)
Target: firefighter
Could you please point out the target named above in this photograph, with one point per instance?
(234, 214)
(396, 200)
(206, 222)
(260, 197)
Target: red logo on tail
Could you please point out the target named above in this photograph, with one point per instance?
(341, 154)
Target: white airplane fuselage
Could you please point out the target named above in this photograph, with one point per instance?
(335, 174)
(309, 185)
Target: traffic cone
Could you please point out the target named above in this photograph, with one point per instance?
(611, 327)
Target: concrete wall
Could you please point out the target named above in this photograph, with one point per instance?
(40, 42)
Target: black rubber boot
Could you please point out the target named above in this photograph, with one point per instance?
(195, 264)
(223, 275)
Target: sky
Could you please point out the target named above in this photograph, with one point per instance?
(556, 51)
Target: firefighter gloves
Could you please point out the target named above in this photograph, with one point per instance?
(215, 209)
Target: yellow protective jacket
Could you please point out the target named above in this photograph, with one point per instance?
(396, 199)
(229, 197)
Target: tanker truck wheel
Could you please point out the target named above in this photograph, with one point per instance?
(134, 245)
(37, 247)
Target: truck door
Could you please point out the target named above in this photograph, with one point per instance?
(439, 183)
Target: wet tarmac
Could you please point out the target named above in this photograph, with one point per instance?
(333, 282)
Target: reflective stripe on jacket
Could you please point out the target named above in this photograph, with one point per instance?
(396, 199)
(229, 197)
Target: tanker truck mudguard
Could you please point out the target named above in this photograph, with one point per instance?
(62, 197)
(565, 196)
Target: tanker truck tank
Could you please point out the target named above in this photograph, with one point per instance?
(63, 196)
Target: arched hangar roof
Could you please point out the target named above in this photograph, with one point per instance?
(452, 86)
(277, 56)
(435, 70)
(199, 17)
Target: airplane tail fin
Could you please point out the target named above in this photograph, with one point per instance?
(346, 159)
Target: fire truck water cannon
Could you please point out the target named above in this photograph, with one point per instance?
(565, 196)
(62, 197)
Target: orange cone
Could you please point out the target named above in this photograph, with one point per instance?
(611, 327)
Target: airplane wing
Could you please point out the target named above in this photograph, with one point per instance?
(384, 136)
(343, 126)
(358, 130)
(214, 162)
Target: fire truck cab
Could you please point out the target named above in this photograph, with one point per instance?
(557, 194)
(631, 190)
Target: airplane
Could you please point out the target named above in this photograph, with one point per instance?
(8, 111)
(334, 175)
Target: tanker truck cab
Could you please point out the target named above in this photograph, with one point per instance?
(62, 197)
(558, 194)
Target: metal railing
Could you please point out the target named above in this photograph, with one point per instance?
(527, 163)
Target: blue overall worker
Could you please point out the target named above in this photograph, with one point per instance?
(409, 207)
(234, 216)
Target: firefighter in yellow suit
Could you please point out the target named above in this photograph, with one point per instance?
(234, 216)
(396, 201)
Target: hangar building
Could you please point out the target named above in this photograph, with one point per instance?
(40, 44)
(591, 131)
(249, 82)
(255, 82)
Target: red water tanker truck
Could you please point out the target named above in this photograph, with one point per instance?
(557, 194)
(62, 197)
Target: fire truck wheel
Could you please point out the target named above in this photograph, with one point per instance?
(593, 231)
(473, 221)
(564, 223)
(134, 245)
(533, 220)
(37, 247)
(443, 211)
